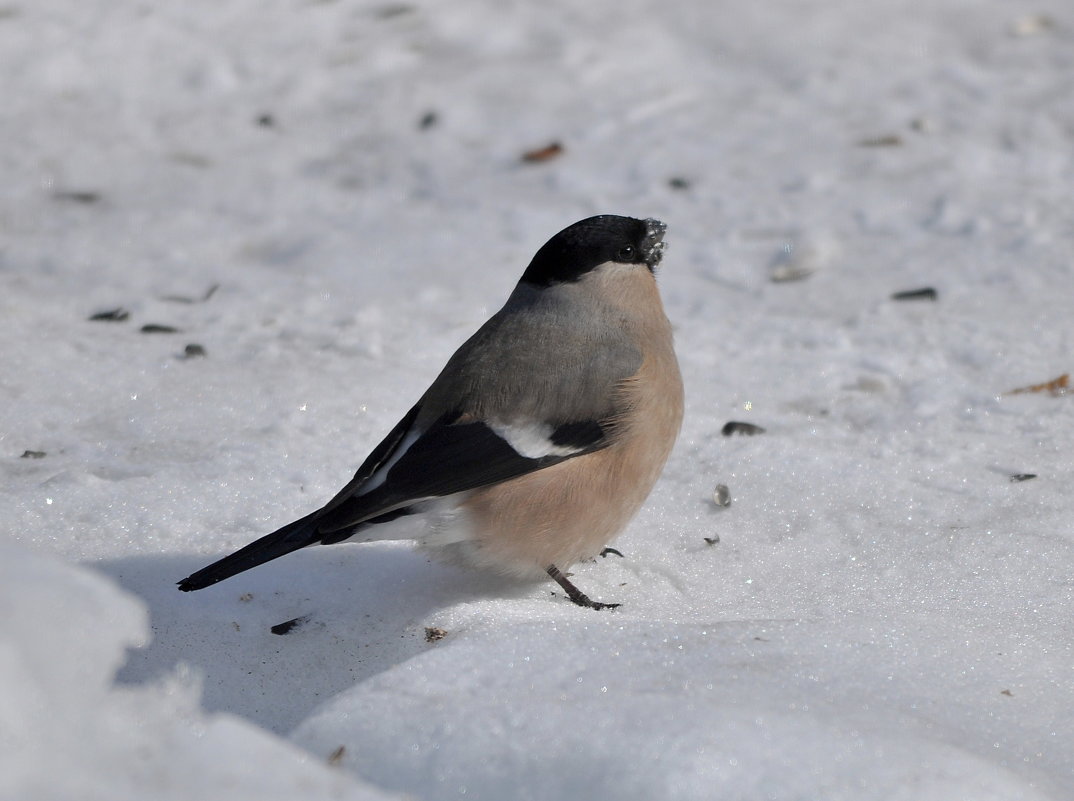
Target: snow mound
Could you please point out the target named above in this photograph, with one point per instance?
(68, 732)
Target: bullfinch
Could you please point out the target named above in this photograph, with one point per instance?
(542, 435)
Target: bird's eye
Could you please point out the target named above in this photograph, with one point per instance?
(625, 254)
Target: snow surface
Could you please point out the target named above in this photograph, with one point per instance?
(886, 614)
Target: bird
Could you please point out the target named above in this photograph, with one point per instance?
(541, 437)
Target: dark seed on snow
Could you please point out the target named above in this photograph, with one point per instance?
(925, 293)
(156, 328)
(736, 427)
(76, 196)
(546, 153)
(289, 625)
(1022, 477)
(434, 633)
(116, 315)
(32, 455)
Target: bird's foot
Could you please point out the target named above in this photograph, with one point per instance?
(575, 594)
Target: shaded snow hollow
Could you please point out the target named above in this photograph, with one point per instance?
(885, 615)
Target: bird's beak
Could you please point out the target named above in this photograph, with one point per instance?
(653, 244)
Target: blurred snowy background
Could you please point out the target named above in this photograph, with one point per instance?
(294, 211)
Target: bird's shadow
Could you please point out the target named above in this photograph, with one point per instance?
(361, 608)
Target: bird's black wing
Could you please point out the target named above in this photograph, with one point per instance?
(456, 454)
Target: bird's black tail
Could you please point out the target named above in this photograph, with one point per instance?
(291, 537)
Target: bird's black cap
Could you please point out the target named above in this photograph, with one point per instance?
(581, 247)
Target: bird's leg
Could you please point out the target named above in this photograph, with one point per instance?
(575, 594)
